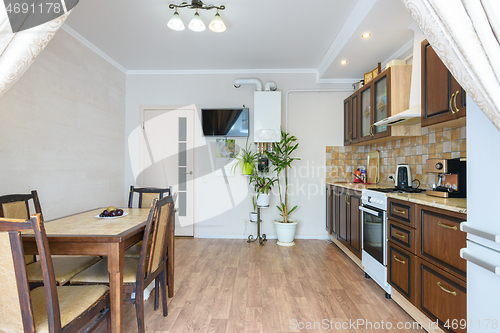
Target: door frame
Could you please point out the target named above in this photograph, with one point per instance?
(197, 133)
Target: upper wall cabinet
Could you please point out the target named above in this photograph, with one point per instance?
(443, 100)
(386, 95)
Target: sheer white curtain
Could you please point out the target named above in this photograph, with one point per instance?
(465, 34)
(19, 50)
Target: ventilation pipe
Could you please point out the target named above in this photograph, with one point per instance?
(270, 86)
(258, 84)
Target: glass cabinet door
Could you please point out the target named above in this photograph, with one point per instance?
(380, 103)
(366, 110)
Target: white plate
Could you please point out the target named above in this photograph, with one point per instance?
(111, 217)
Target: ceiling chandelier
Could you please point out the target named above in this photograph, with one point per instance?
(196, 24)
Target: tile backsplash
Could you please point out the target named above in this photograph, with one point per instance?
(341, 162)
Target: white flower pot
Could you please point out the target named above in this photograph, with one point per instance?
(253, 217)
(285, 231)
(263, 200)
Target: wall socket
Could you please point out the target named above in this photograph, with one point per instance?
(245, 222)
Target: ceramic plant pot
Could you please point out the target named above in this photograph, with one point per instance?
(263, 200)
(285, 231)
(253, 217)
(246, 169)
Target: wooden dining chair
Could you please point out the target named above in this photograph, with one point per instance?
(151, 265)
(146, 196)
(17, 206)
(48, 308)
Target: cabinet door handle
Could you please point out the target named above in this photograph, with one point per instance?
(454, 293)
(455, 102)
(347, 198)
(350, 136)
(372, 130)
(451, 107)
(398, 260)
(399, 211)
(446, 226)
(398, 235)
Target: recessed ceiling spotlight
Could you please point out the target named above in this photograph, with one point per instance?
(343, 62)
(366, 35)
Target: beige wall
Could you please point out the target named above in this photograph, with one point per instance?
(62, 130)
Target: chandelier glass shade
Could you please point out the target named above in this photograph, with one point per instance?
(196, 24)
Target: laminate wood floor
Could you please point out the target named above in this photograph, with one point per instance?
(231, 286)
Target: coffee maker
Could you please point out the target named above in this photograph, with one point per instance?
(452, 177)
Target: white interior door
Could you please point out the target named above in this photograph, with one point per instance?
(167, 158)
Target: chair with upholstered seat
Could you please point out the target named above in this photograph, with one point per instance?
(146, 196)
(151, 265)
(49, 308)
(17, 206)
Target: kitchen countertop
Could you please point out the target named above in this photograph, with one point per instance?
(451, 204)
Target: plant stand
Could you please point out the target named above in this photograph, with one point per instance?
(262, 238)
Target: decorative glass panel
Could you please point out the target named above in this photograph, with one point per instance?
(182, 179)
(183, 129)
(182, 203)
(381, 103)
(365, 112)
(182, 155)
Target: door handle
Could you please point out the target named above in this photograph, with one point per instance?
(455, 101)
(188, 173)
(451, 107)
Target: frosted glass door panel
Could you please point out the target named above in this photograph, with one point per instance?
(366, 112)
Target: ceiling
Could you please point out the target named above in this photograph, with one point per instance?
(285, 35)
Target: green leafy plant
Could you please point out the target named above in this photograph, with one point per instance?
(261, 183)
(247, 159)
(281, 159)
(254, 203)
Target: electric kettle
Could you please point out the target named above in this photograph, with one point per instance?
(403, 176)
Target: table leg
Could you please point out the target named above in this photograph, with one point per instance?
(116, 259)
(170, 260)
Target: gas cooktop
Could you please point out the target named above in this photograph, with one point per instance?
(398, 190)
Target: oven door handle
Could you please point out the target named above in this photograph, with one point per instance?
(369, 211)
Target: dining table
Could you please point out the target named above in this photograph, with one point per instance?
(87, 234)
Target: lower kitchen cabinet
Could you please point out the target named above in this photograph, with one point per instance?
(343, 215)
(442, 297)
(401, 271)
(354, 222)
(328, 219)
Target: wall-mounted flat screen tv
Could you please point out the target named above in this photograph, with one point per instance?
(225, 122)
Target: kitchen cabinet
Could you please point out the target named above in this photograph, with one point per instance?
(386, 95)
(443, 99)
(401, 271)
(441, 239)
(343, 215)
(354, 222)
(329, 209)
(351, 119)
(442, 297)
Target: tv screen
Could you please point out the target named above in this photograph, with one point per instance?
(225, 122)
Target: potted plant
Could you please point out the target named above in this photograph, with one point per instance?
(280, 158)
(253, 215)
(262, 185)
(247, 158)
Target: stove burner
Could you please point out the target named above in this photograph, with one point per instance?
(398, 190)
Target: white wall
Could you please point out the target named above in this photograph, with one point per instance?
(316, 119)
(62, 130)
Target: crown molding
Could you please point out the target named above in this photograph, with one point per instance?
(223, 71)
(402, 50)
(91, 46)
(346, 80)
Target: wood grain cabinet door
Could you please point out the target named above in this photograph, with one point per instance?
(354, 201)
(355, 116)
(441, 239)
(342, 235)
(401, 271)
(347, 122)
(442, 97)
(402, 235)
(442, 297)
(402, 212)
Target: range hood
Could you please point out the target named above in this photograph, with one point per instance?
(412, 115)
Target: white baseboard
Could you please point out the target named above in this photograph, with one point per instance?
(268, 237)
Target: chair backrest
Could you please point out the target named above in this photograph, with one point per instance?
(154, 255)
(15, 301)
(16, 206)
(146, 195)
